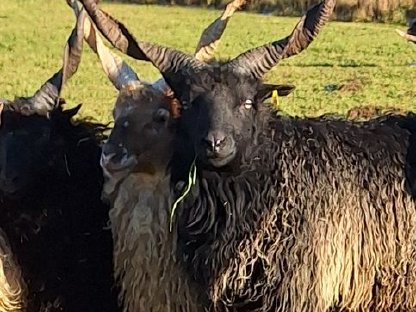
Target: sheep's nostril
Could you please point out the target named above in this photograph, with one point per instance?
(215, 141)
(106, 159)
(209, 145)
(219, 143)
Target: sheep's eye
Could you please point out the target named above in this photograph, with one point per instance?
(248, 104)
(161, 115)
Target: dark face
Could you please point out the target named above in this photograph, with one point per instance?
(141, 137)
(223, 113)
(24, 151)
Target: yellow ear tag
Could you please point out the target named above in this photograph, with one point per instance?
(275, 98)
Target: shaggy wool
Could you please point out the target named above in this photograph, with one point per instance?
(318, 216)
(56, 229)
(13, 289)
(146, 263)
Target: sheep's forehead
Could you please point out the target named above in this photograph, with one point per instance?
(125, 109)
(143, 100)
(133, 109)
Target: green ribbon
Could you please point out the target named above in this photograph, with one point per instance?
(191, 182)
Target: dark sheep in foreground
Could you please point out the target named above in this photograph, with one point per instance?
(146, 264)
(287, 214)
(56, 254)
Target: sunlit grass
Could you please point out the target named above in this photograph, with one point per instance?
(348, 65)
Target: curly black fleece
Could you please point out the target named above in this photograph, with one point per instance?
(260, 234)
(57, 231)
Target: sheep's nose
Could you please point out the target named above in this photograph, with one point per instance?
(108, 154)
(215, 141)
(106, 159)
(109, 150)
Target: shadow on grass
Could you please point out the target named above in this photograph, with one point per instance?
(335, 65)
(358, 65)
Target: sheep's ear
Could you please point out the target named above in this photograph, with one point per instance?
(73, 111)
(174, 107)
(266, 91)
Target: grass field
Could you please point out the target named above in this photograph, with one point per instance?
(347, 66)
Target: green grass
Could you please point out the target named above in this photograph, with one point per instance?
(369, 59)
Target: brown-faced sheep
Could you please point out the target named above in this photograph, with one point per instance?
(145, 251)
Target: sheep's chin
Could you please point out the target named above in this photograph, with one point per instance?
(114, 173)
(126, 164)
(221, 161)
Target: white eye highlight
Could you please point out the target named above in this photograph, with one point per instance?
(248, 104)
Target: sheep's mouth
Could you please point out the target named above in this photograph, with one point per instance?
(218, 158)
(221, 160)
(112, 164)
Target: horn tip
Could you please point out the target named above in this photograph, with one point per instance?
(400, 32)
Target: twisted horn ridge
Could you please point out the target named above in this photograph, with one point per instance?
(407, 36)
(3, 103)
(208, 42)
(46, 98)
(1, 108)
(210, 37)
(410, 35)
(165, 59)
(118, 71)
(259, 61)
